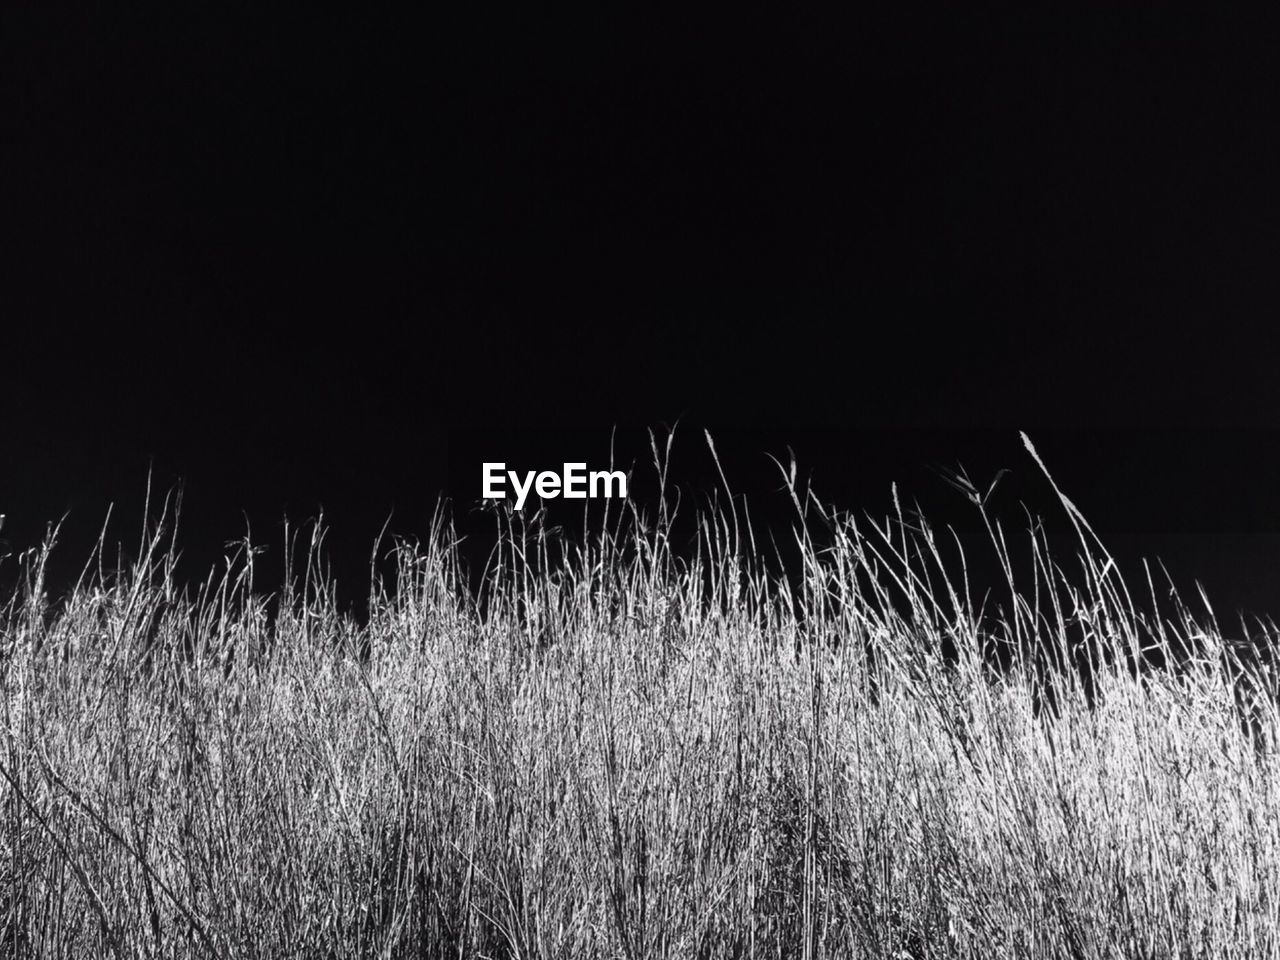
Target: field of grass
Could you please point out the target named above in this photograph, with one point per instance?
(617, 749)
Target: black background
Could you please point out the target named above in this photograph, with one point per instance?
(301, 259)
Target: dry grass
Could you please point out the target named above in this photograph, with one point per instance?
(615, 752)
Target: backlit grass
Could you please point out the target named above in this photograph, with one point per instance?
(613, 750)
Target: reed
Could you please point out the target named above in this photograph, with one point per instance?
(602, 746)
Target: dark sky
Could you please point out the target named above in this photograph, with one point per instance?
(297, 258)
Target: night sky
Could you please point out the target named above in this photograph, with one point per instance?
(296, 259)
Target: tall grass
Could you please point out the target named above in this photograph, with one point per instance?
(613, 749)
